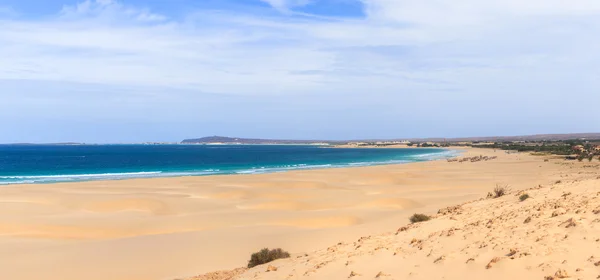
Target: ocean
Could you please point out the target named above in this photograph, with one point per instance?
(21, 164)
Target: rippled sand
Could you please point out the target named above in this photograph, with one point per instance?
(166, 228)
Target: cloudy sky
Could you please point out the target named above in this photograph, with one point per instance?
(157, 70)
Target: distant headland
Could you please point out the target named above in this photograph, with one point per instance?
(531, 138)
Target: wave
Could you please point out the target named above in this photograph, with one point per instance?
(34, 179)
(81, 175)
(31, 179)
(444, 154)
(262, 170)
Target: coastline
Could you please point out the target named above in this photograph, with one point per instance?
(203, 224)
(395, 146)
(168, 171)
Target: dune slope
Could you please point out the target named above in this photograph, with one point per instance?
(554, 234)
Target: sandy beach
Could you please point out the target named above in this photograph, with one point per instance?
(169, 228)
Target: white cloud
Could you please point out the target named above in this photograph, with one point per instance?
(286, 5)
(452, 12)
(108, 9)
(442, 47)
(408, 68)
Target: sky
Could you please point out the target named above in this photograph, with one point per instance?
(108, 71)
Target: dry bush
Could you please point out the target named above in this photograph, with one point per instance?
(266, 256)
(417, 218)
(500, 191)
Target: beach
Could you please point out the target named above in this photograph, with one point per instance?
(173, 228)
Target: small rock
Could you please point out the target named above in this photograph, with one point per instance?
(401, 230)
(527, 220)
(561, 273)
(569, 223)
(558, 213)
(439, 259)
(352, 274)
(493, 261)
(271, 268)
(381, 274)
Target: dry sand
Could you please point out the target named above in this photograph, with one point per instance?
(176, 227)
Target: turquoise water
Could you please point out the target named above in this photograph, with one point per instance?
(55, 163)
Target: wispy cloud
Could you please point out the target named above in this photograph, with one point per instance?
(109, 10)
(105, 41)
(6, 11)
(286, 5)
(485, 53)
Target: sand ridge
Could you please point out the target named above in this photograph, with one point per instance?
(554, 234)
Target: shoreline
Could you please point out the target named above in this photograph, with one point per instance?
(123, 225)
(252, 171)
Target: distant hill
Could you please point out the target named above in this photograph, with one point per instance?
(234, 140)
(43, 144)
(538, 137)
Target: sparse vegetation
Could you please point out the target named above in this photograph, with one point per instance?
(549, 147)
(558, 147)
(266, 256)
(524, 197)
(500, 191)
(417, 218)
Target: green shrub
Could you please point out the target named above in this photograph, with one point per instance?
(523, 197)
(266, 256)
(417, 218)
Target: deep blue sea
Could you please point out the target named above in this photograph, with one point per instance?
(64, 163)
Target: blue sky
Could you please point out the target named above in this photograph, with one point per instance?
(133, 70)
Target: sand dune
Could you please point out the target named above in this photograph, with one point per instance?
(554, 234)
(393, 203)
(321, 222)
(179, 227)
(147, 205)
